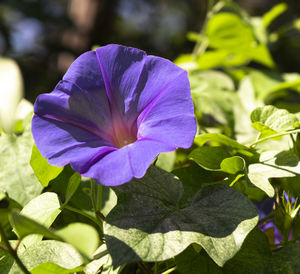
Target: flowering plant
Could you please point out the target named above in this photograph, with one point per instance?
(107, 174)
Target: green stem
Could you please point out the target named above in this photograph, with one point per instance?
(12, 252)
(203, 42)
(93, 195)
(170, 270)
(84, 214)
(97, 204)
(274, 136)
(155, 268)
(99, 197)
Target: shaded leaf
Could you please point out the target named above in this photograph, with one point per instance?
(148, 224)
(73, 185)
(286, 260)
(253, 256)
(192, 262)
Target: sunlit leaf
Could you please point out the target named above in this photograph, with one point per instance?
(273, 164)
(269, 120)
(43, 171)
(43, 209)
(61, 254)
(82, 236)
(16, 176)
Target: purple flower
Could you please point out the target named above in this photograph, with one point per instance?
(114, 111)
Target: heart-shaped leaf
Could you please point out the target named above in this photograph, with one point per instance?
(148, 224)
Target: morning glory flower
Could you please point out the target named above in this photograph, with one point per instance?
(113, 112)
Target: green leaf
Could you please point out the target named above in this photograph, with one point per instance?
(213, 95)
(192, 262)
(272, 14)
(220, 139)
(61, 254)
(220, 58)
(6, 261)
(269, 120)
(82, 236)
(273, 164)
(209, 158)
(210, 80)
(233, 165)
(11, 93)
(148, 224)
(102, 261)
(73, 185)
(227, 30)
(166, 160)
(43, 171)
(51, 268)
(16, 176)
(193, 178)
(286, 260)
(25, 226)
(43, 209)
(254, 254)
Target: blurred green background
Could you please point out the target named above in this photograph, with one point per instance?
(45, 36)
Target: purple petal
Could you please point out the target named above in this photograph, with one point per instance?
(85, 72)
(120, 166)
(70, 104)
(120, 68)
(170, 111)
(64, 144)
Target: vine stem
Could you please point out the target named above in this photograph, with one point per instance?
(99, 197)
(274, 136)
(202, 43)
(92, 194)
(96, 202)
(82, 213)
(12, 252)
(170, 270)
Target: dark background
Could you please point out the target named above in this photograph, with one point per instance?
(45, 36)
